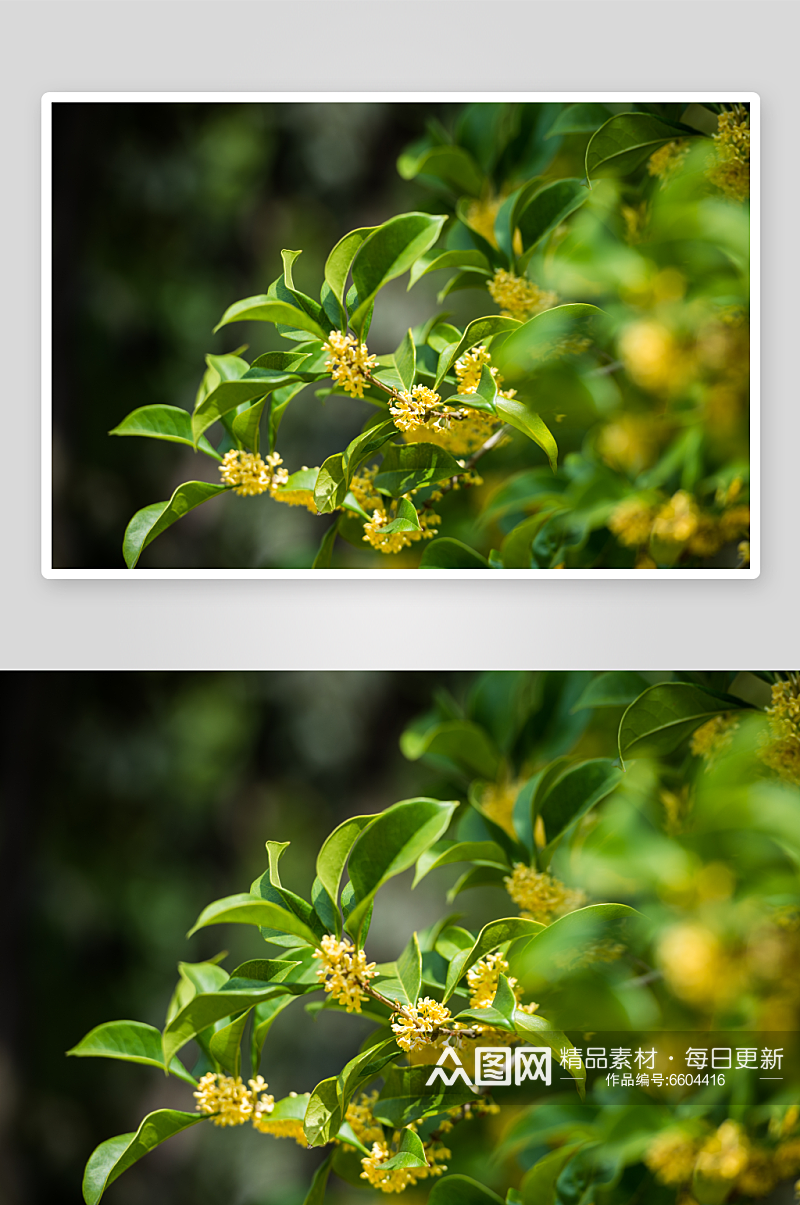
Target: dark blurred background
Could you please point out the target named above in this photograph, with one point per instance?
(164, 214)
(131, 800)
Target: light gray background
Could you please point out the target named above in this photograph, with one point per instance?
(373, 45)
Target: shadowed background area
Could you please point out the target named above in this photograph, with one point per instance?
(164, 214)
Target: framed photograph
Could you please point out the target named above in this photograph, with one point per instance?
(372, 334)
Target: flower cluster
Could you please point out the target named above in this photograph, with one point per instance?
(668, 159)
(539, 896)
(518, 297)
(396, 541)
(636, 521)
(420, 408)
(724, 1157)
(781, 752)
(418, 1022)
(497, 802)
(228, 1101)
(345, 972)
(714, 738)
(397, 1179)
(295, 497)
(349, 362)
(731, 170)
(483, 978)
(250, 475)
(362, 1120)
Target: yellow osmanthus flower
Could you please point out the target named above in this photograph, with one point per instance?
(713, 738)
(668, 159)
(497, 802)
(723, 1156)
(781, 750)
(631, 442)
(483, 978)
(731, 171)
(696, 967)
(631, 522)
(250, 475)
(518, 297)
(398, 1179)
(652, 357)
(421, 407)
(363, 489)
(292, 497)
(421, 1020)
(734, 523)
(540, 896)
(349, 362)
(635, 218)
(395, 541)
(231, 1102)
(282, 1127)
(677, 806)
(677, 520)
(362, 1120)
(671, 1157)
(344, 972)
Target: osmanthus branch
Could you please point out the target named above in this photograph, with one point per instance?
(441, 1031)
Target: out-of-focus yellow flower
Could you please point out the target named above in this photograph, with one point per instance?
(420, 1021)
(345, 972)
(631, 522)
(362, 1120)
(250, 475)
(518, 297)
(631, 442)
(481, 216)
(653, 358)
(731, 170)
(540, 896)
(714, 738)
(668, 159)
(734, 523)
(677, 806)
(282, 1127)
(677, 520)
(781, 750)
(723, 1156)
(635, 218)
(497, 802)
(671, 1156)
(349, 362)
(695, 965)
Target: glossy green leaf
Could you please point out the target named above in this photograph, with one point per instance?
(435, 261)
(454, 166)
(538, 1030)
(365, 445)
(388, 252)
(410, 1152)
(499, 1013)
(550, 953)
(248, 909)
(131, 1041)
(576, 792)
(405, 1096)
(664, 715)
(335, 851)
(581, 118)
(390, 845)
(443, 853)
(280, 400)
(316, 1193)
(538, 1185)
(409, 970)
(331, 485)
(114, 1156)
(229, 395)
(462, 1190)
(247, 425)
(408, 467)
(519, 413)
(516, 548)
(615, 689)
(447, 553)
(478, 876)
(458, 741)
(264, 1017)
(324, 555)
(362, 1069)
(268, 309)
(547, 209)
(495, 934)
(225, 1045)
(405, 520)
(534, 342)
(340, 260)
(163, 422)
(323, 1113)
(476, 332)
(150, 521)
(624, 142)
(405, 361)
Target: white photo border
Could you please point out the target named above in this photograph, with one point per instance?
(51, 98)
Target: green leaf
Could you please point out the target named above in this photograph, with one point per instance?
(405, 361)
(540, 338)
(547, 209)
(163, 422)
(516, 548)
(248, 909)
(408, 467)
(405, 1096)
(627, 139)
(551, 952)
(447, 553)
(435, 261)
(454, 166)
(520, 415)
(389, 845)
(406, 519)
(462, 1190)
(443, 853)
(456, 741)
(323, 1113)
(114, 1156)
(410, 1152)
(478, 876)
(228, 395)
(366, 445)
(263, 1019)
(388, 252)
(538, 1186)
(331, 486)
(225, 1045)
(335, 851)
(576, 792)
(536, 1028)
(325, 551)
(663, 716)
(409, 970)
(131, 1041)
(267, 309)
(316, 1193)
(246, 426)
(583, 118)
(150, 521)
(340, 260)
(362, 1069)
(495, 934)
(477, 331)
(615, 689)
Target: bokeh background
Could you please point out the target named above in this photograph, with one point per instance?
(164, 214)
(130, 802)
